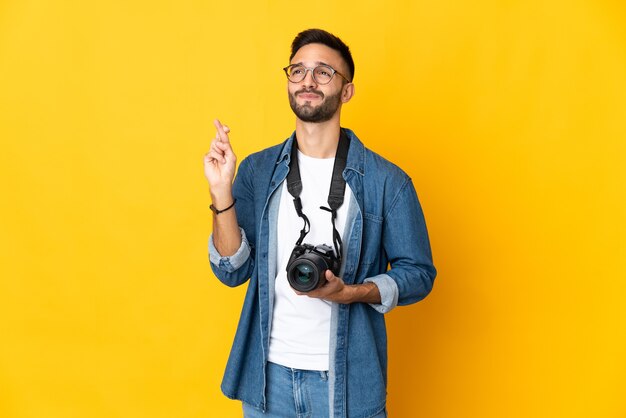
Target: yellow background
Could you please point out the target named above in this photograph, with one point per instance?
(510, 116)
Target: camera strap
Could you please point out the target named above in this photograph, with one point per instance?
(335, 195)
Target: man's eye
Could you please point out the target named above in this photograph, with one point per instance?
(296, 71)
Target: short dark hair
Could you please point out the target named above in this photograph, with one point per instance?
(320, 36)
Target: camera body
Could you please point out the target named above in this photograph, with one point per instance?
(307, 265)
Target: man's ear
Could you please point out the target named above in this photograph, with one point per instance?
(347, 92)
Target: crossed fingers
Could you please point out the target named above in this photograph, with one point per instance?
(219, 145)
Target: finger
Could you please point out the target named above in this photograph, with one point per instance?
(225, 148)
(217, 124)
(333, 283)
(212, 155)
(217, 134)
(220, 155)
(207, 157)
(321, 292)
(226, 130)
(316, 293)
(227, 151)
(217, 147)
(223, 136)
(218, 128)
(222, 146)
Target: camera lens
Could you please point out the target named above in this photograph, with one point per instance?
(307, 266)
(304, 273)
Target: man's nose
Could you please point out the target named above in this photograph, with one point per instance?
(308, 80)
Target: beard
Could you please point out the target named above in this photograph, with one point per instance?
(316, 114)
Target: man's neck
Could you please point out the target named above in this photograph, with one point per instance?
(318, 140)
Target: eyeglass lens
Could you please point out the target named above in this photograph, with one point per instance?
(322, 74)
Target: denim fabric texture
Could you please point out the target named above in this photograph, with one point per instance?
(293, 393)
(385, 227)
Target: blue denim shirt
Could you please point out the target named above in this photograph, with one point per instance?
(384, 228)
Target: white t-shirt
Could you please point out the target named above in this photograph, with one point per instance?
(300, 332)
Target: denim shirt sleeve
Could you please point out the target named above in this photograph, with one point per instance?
(232, 262)
(388, 290)
(406, 244)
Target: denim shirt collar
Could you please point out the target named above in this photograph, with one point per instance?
(356, 153)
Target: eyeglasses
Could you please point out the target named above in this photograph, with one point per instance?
(322, 74)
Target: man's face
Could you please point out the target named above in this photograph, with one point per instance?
(310, 101)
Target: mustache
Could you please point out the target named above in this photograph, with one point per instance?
(319, 93)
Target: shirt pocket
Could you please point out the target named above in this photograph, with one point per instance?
(372, 239)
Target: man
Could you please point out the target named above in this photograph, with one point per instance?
(319, 352)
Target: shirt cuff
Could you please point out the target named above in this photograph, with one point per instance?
(388, 290)
(232, 262)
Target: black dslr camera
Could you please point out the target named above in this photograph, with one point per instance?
(307, 264)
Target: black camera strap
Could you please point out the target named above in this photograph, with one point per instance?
(335, 195)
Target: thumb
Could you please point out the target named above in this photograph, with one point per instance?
(330, 276)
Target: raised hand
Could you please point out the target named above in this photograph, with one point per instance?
(220, 163)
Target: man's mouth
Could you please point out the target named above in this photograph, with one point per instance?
(309, 95)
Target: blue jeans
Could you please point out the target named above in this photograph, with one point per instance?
(294, 393)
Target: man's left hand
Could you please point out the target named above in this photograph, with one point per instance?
(335, 290)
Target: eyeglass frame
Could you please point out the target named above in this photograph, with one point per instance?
(312, 70)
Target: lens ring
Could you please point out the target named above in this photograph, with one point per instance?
(303, 272)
